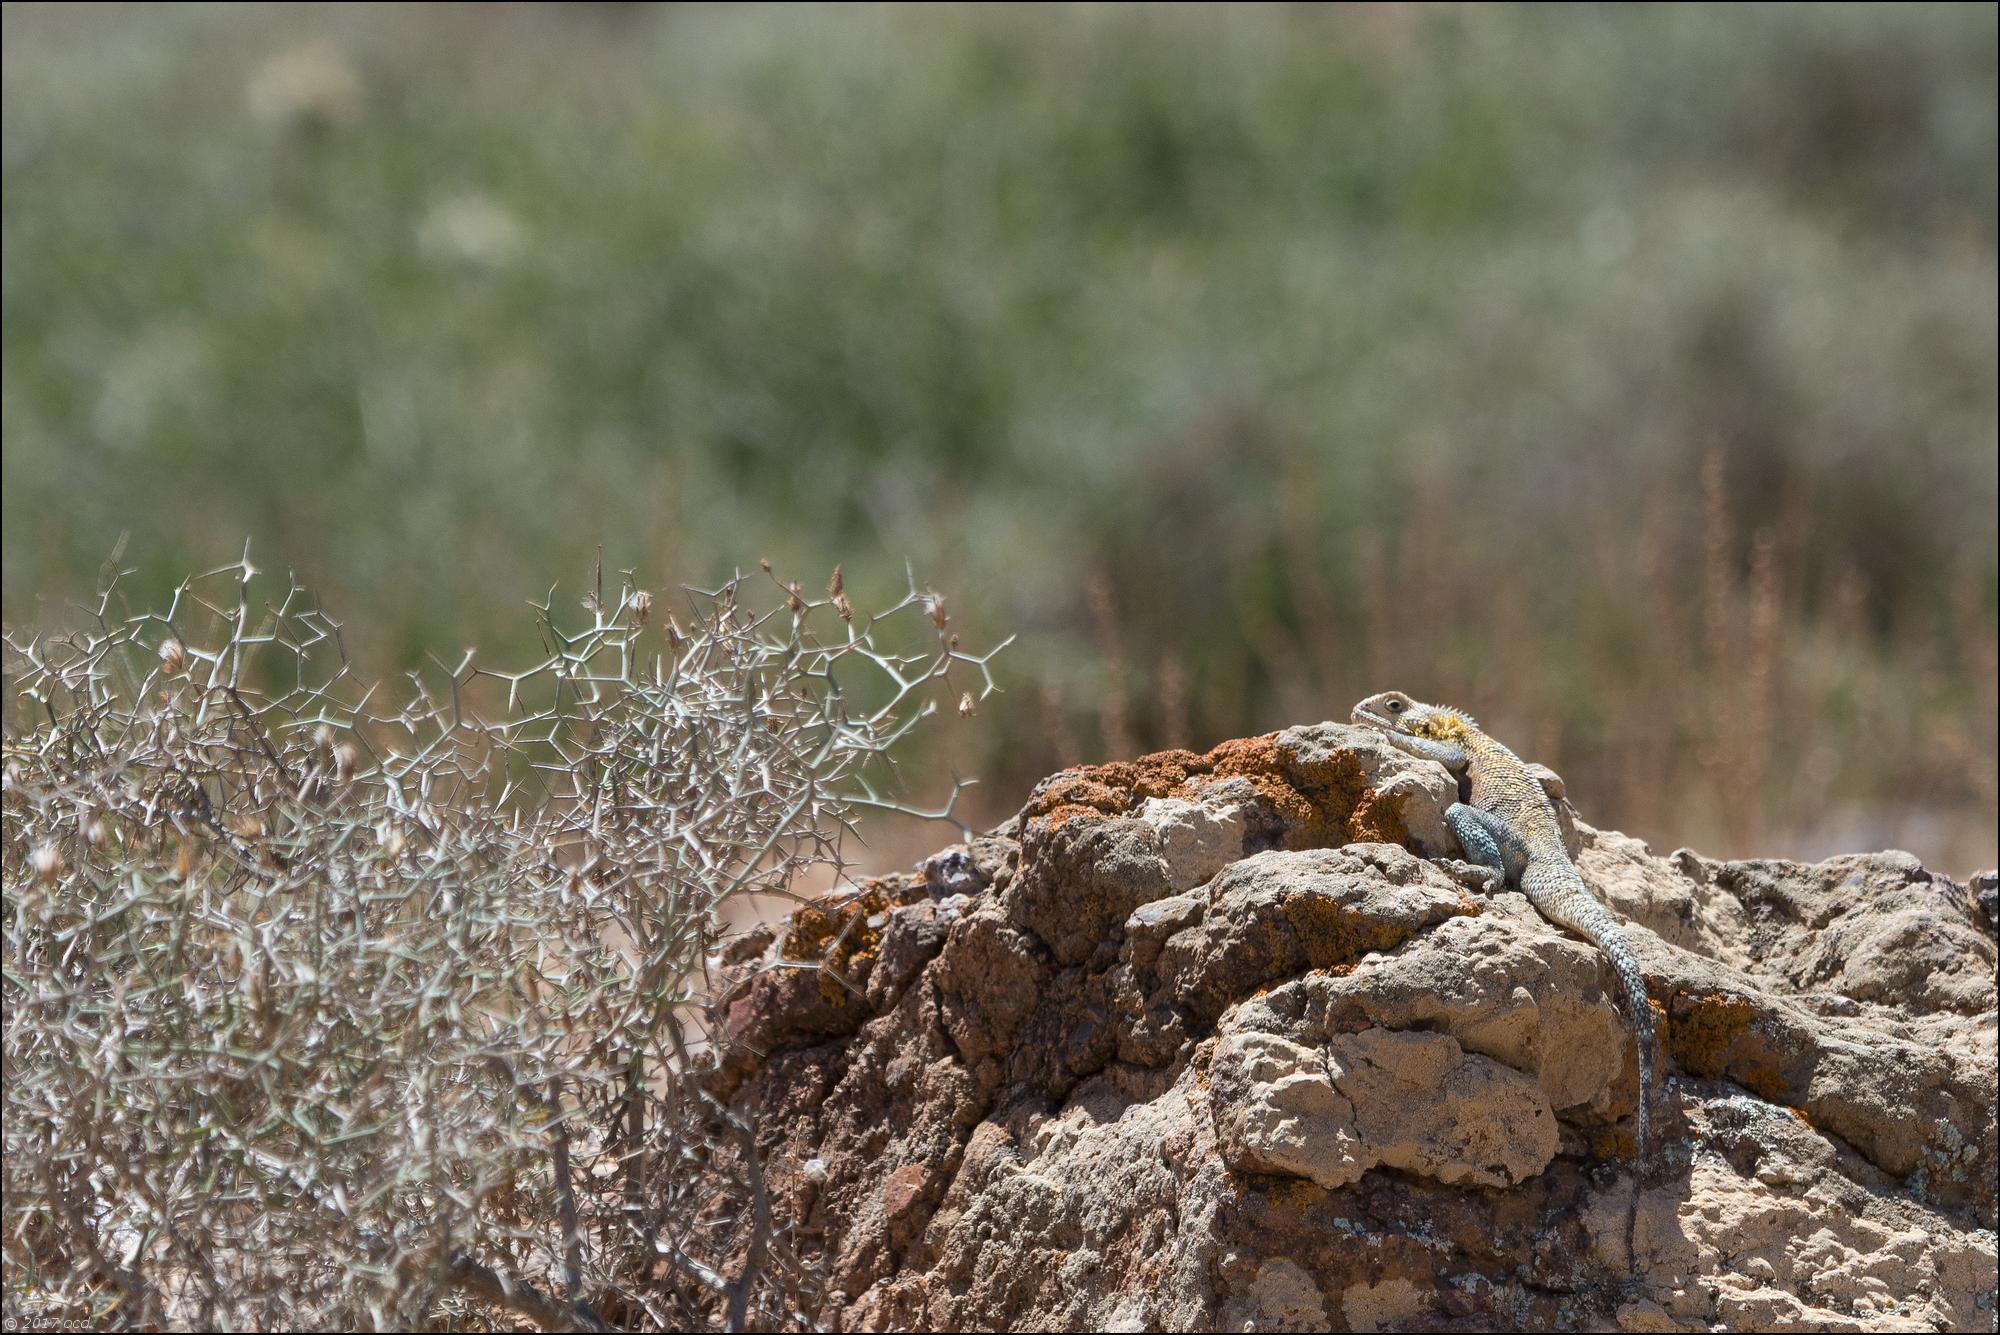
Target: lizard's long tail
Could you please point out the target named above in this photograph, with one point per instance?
(1560, 894)
(1627, 965)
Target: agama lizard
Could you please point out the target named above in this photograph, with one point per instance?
(1506, 823)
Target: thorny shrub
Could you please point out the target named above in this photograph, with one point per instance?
(324, 1010)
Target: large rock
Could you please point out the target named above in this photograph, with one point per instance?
(1221, 1041)
(1382, 1097)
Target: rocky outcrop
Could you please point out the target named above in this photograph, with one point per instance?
(1222, 1041)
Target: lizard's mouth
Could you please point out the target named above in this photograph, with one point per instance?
(1368, 718)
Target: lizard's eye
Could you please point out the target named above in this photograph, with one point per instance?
(1395, 706)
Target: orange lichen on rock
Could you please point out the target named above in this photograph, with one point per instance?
(1115, 788)
(1257, 759)
(1084, 791)
(1377, 819)
(1346, 809)
(1322, 803)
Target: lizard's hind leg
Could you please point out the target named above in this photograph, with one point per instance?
(1481, 848)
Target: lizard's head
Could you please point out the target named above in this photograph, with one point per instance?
(1392, 711)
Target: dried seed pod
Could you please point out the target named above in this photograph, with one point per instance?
(173, 658)
(47, 862)
(842, 606)
(642, 607)
(833, 585)
(794, 601)
(938, 617)
(965, 709)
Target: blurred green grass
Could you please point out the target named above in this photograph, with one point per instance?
(1624, 374)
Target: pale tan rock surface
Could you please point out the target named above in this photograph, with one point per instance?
(1215, 1043)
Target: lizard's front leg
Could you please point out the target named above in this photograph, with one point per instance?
(1482, 849)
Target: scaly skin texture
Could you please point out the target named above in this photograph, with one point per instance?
(1508, 824)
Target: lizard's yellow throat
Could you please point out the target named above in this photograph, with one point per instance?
(1441, 725)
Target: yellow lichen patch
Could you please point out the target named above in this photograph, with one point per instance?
(1296, 1194)
(1708, 1027)
(1761, 1077)
(1281, 1191)
(1335, 938)
(836, 932)
(1614, 1143)
(1712, 1039)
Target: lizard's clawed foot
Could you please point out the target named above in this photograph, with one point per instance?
(1484, 880)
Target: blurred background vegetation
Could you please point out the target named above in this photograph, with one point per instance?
(1625, 374)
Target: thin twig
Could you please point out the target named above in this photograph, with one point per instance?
(522, 1297)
